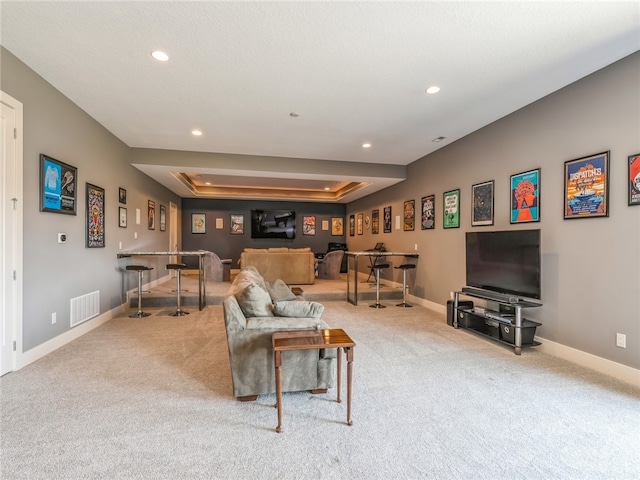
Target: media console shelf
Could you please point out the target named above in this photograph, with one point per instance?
(505, 326)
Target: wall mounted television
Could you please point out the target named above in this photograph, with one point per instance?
(505, 262)
(273, 224)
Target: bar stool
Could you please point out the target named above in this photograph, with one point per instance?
(404, 267)
(377, 269)
(178, 268)
(140, 269)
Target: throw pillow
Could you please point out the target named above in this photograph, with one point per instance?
(280, 291)
(302, 309)
(254, 301)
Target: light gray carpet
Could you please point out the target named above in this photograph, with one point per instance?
(151, 399)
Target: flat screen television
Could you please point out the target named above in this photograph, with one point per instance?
(504, 262)
(273, 224)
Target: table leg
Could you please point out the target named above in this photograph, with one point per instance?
(200, 281)
(349, 352)
(339, 374)
(278, 363)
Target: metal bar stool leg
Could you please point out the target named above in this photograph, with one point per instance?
(178, 268)
(404, 269)
(140, 269)
(377, 269)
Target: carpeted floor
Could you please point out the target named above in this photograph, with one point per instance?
(151, 399)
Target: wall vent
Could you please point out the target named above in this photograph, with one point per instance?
(85, 307)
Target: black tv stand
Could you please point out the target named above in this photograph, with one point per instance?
(506, 326)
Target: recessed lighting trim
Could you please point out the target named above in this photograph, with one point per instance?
(432, 90)
(366, 145)
(196, 133)
(160, 55)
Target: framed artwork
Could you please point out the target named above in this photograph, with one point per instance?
(58, 186)
(451, 209)
(586, 187)
(359, 224)
(95, 216)
(122, 217)
(337, 226)
(309, 225)
(151, 214)
(482, 204)
(387, 219)
(375, 221)
(352, 225)
(367, 222)
(122, 195)
(428, 218)
(409, 215)
(525, 197)
(199, 223)
(219, 223)
(237, 224)
(325, 225)
(634, 179)
(163, 218)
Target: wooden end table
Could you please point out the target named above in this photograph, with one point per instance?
(313, 339)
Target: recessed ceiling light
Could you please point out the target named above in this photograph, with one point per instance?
(366, 145)
(433, 89)
(438, 139)
(160, 55)
(207, 183)
(197, 133)
(327, 188)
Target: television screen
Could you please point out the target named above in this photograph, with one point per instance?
(273, 224)
(504, 261)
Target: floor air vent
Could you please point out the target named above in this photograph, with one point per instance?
(85, 307)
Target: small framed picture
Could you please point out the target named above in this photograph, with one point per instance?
(309, 225)
(198, 223)
(95, 216)
(337, 226)
(151, 214)
(359, 224)
(428, 218)
(482, 204)
(122, 195)
(586, 187)
(237, 224)
(375, 221)
(122, 217)
(387, 219)
(451, 209)
(163, 218)
(352, 225)
(525, 197)
(409, 215)
(634, 179)
(58, 186)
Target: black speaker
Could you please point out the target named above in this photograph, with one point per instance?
(461, 304)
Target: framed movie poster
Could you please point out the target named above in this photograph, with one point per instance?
(375, 221)
(525, 197)
(451, 209)
(337, 226)
(122, 217)
(359, 224)
(634, 179)
(237, 224)
(386, 219)
(352, 225)
(163, 218)
(199, 223)
(95, 216)
(409, 215)
(586, 187)
(309, 225)
(482, 204)
(58, 186)
(151, 214)
(428, 219)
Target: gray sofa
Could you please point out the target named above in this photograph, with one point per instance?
(253, 310)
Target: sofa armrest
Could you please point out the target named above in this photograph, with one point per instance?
(283, 323)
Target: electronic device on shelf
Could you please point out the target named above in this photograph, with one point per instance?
(505, 264)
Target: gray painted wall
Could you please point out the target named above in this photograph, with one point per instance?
(54, 273)
(590, 267)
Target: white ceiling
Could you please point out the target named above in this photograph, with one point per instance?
(355, 72)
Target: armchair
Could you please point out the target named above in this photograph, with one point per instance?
(329, 267)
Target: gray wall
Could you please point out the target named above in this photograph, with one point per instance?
(226, 245)
(590, 267)
(54, 273)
